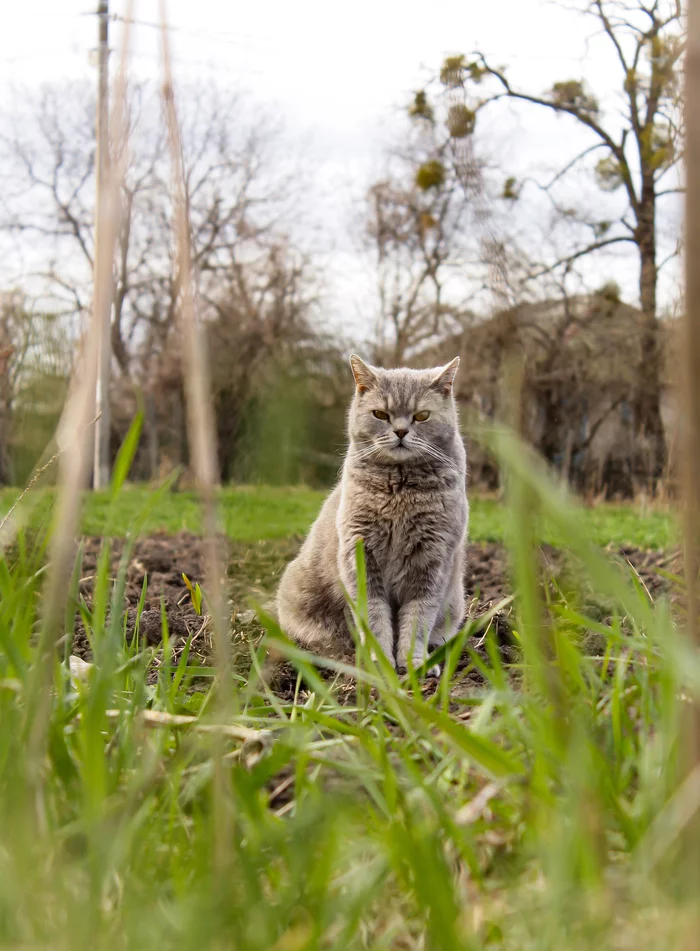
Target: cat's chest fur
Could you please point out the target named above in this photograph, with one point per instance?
(407, 524)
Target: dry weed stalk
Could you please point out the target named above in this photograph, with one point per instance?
(200, 414)
(74, 430)
(692, 391)
(202, 443)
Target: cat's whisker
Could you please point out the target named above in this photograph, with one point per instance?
(433, 451)
(373, 448)
(368, 450)
(439, 454)
(367, 453)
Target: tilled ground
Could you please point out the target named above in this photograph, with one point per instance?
(253, 573)
(162, 560)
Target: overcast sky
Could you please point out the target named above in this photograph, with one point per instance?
(338, 74)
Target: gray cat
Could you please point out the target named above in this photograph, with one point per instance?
(403, 491)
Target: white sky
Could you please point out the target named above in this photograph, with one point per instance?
(337, 74)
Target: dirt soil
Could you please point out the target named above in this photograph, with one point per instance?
(162, 559)
(254, 570)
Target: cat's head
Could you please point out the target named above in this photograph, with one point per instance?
(402, 417)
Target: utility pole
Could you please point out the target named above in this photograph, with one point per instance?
(101, 467)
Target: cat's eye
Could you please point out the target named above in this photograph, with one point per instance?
(422, 416)
(380, 414)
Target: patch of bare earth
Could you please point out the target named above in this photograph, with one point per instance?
(253, 573)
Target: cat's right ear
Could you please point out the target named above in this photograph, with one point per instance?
(364, 375)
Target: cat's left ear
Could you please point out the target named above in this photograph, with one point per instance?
(446, 377)
(364, 374)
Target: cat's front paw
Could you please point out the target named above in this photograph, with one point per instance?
(402, 668)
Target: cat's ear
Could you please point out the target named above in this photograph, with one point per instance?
(364, 375)
(446, 377)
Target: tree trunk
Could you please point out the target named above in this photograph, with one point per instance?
(180, 427)
(651, 450)
(550, 403)
(119, 350)
(152, 436)
(6, 473)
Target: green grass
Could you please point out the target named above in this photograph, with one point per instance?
(253, 513)
(248, 513)
(533, 808)
(606, 524)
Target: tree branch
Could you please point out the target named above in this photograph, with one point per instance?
(582, 252)
(582, 117)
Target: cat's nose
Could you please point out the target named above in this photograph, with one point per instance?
(401, 433)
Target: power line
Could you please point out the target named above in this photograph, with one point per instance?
(190, 31)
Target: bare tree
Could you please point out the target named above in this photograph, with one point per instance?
(238, 194)
(265, 339)
(264, 325)
(233, 201)
(636, 152)
(420, 228)
(35, 364)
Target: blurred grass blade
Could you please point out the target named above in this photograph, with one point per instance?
(127, 451)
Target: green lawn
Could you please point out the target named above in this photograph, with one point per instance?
(258, 513)
(248, 513)
(606, 524)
